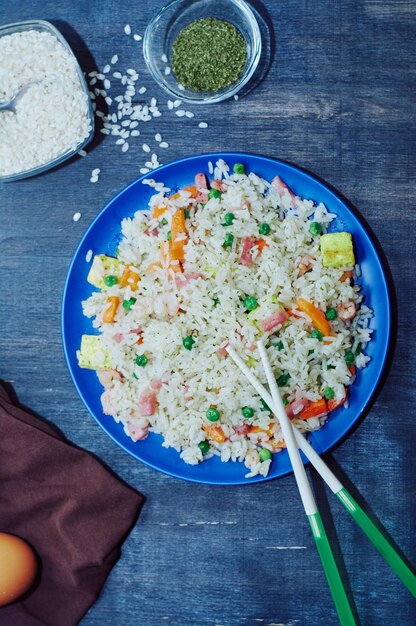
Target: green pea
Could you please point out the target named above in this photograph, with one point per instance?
(213, 414)
(349, 358)
(250, 303)
(228, 241)
(164, 222)
(331, 314)
(169, 235)
(110, 280)
(214, 193)
(239, 168)
(285, 401)
(329, 393)
(141, 360)
(186, 213)
(228, 219)
(279, 345)
(283, 380)
(264, 406)
(265, 454)
(316, 334)
(264, 229)
(204, 446)
(127, 304)
(188, 342)
(315, 228)
(247, 411)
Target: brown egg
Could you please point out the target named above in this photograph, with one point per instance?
(17, 567)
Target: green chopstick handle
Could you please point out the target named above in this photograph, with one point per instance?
(382, 544)
(336, 586)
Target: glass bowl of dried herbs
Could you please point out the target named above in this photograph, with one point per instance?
(203, 51)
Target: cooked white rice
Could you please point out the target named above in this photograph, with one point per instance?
(193, 380)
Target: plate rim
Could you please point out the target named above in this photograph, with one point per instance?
(375, 385)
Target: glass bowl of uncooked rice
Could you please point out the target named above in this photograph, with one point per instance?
(53, 119)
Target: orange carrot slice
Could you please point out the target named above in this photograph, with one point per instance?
(261, 244)
(129, 278)
(314, 409)
(158, 211)
(110, 312)
(216, 433)
(318, 318)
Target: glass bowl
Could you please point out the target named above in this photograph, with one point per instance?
(166, 26)
(43, 26)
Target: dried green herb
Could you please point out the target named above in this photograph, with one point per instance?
(208, 55)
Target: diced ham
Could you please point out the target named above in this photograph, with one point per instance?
(281, 187)
(346, 310)
(246, 257)
(218, 184)
(273, 321)
(295, 407)
(156, 383)
(183, 279)
(222, 349)
(136, 331)
(137, 433)
(147, 402)
(154, 232)
(118, 337)
(241, 429)
(201, 183)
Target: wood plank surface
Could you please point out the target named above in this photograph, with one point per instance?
(338, 100)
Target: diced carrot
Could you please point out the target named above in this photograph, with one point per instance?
(158, 211)
(261, 244)
(178, 227)
(335, 404)
(129, 278)
(352, 369)
(345, 276)
(216, 433)
(257, 429)
(140, 341)
(191, 189)
(318, 318)
(178, 223)
(314, 409)
(176, 267)
(110, 312)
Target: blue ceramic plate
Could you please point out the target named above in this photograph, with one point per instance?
(102, 238)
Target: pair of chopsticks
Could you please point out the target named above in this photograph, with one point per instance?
(295, 441)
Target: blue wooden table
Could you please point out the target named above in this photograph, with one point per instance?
(339, 101)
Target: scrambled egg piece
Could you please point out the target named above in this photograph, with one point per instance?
(337, 250)
(92, 355)
(103, 265)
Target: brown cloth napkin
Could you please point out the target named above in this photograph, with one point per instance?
(69, 507)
